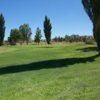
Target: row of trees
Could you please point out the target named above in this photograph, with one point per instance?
(74, 38)
(23, 34)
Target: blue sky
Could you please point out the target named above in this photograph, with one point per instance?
(67, 16)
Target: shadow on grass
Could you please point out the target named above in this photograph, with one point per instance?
(88, 49)
(45, 47)
(58, 63)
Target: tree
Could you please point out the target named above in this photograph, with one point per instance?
(47, 29)
(55, 39)
(92, 8)
(15, 36)
(26, 32)
(38, 35)
(2, 29)
(60, 39)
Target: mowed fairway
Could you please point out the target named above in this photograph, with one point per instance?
(54, 72)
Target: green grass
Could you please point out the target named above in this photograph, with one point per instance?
(54, 72)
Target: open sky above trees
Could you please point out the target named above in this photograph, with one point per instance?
(67, 16)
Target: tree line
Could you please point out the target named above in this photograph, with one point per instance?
(24, 32)
(74, 38)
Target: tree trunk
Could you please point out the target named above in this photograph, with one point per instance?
(96, 21)
(96, 32)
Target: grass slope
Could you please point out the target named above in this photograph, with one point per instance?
(55, 72)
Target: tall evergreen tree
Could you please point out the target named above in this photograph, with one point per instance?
(47, 29)
(2, 29)
(92, 7)
(38, 35)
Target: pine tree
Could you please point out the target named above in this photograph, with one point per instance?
(38, 35)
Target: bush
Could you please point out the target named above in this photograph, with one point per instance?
(89, 41)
